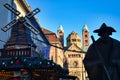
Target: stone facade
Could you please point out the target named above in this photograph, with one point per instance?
(74, 53)
(70, 56)
(55, 54)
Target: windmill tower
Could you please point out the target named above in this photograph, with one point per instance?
(20, 32)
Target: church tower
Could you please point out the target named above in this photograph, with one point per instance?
(85, 37)
(60, 34)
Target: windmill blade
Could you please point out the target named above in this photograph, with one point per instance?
(9, 7)
(34, 30)
(9, 25)
(34, 12)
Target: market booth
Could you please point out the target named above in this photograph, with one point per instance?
(26, 68)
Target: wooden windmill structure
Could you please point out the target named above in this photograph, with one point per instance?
(20, 33)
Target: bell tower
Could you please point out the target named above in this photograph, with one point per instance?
(85, 37)
(60, 34)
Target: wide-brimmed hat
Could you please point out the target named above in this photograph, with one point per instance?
(104, 28)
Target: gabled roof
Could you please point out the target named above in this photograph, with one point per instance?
(73, 33)
(51, 36)
(75, 47)
(47, 32)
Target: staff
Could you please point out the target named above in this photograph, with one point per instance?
(100, 57)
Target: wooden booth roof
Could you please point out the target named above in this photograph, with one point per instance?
(31, 63)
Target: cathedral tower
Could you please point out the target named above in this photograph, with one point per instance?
(74, 38)
(60, 34)
(85, 37)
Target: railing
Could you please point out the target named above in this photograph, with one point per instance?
(15, 52)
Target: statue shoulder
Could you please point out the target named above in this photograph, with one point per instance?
(115, 41)
(116, 44)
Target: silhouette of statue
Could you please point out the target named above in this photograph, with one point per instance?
(102, 60)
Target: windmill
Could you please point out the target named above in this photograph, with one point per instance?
(24, 20)
(21, 28)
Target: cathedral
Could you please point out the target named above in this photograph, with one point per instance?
(70, 56)
(74, 52)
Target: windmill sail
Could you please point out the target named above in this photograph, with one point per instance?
(34, 12)
(9, 25)
(34, 30)
(9, 7)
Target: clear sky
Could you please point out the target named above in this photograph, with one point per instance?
(73, 14)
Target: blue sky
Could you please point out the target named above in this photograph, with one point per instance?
(73, 14)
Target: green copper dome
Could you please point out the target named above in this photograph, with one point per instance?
(60, 28)
(85, 27)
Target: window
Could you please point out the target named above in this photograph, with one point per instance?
(86, 31)
(74, 55)
(60, 32)
(75, 64)
(73, 40)
(86, 41)
(86, 35)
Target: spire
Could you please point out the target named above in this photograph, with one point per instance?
(85, 38)
(60, 34)
(60, 28)
(85, 28)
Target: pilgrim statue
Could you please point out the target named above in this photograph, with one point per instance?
(102, 60)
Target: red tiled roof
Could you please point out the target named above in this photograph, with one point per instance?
(51, 36)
